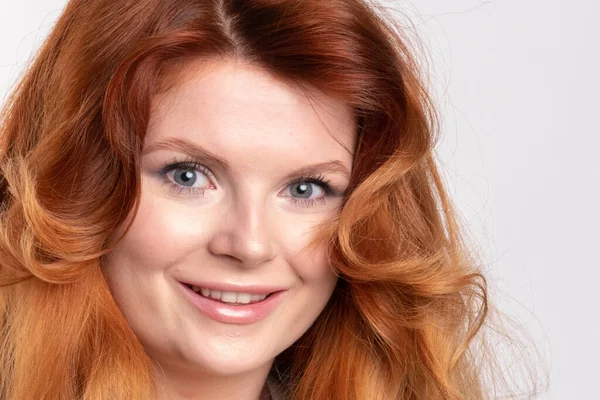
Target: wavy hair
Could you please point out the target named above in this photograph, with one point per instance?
(409, 299)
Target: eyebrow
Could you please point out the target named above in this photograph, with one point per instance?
(186, 147)
(195, 151)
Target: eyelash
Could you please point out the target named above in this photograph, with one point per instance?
(190, 163)
(185, 164)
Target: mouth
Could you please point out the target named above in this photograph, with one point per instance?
(231, 298)
(235, 307)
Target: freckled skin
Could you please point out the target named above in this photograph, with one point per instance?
(241, 225)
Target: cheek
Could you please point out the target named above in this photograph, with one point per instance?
(161, 235)
(310, 264)
(316, 282)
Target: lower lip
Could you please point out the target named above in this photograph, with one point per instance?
(234, 314)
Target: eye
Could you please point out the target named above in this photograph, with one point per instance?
(187, 177)
(306, 190)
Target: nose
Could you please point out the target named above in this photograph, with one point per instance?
(244, 234)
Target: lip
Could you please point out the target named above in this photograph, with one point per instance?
(231, 287)
(234, 314)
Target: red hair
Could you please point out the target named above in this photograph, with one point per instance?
(409, 300)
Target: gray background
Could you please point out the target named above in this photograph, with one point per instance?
(517, 85)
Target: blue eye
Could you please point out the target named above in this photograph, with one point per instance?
(306, 190)
(188, 177)
(192, 178)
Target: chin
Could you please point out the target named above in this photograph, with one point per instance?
(227, 360)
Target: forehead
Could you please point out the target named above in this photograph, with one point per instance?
(235, 108)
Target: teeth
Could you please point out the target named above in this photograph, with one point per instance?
(257, 297)
(229, 297)
(243, 298)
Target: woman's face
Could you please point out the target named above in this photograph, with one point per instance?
(237, 170)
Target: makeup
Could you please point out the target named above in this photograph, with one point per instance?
(231, 313)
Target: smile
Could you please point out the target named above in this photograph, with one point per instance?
(233, 307)
(229, 297)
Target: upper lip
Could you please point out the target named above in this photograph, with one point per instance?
(232, 287)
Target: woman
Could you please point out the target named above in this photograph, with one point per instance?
(229, 199)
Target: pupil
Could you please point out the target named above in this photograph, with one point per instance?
(303, 190)
(186, 178)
